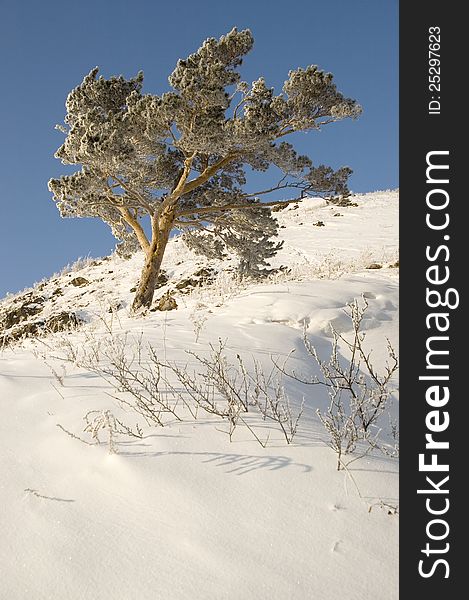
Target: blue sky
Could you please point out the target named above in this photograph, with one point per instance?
(47, 48)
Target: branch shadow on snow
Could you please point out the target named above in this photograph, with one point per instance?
(244, 463)
(239, 464)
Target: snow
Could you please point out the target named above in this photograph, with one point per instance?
(184, 512)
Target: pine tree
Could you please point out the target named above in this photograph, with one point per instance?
(180, 159)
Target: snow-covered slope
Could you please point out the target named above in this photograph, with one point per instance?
(183, 512)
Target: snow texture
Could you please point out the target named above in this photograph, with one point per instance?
(184, 513)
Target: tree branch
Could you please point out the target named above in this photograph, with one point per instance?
(171, 198)
(317, 125)
(195, 224)
(132, 193)
(238, 106)
(225, 207)
(182, 181)
(207, 173)
(279, 186)
(135, 225)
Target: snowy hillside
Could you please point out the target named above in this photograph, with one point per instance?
(181, 511)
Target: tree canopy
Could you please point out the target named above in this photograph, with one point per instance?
(180, 159)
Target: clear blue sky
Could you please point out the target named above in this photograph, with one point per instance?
(46, 48)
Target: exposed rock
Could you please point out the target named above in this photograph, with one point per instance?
(79, 281)
(205, 273)
(319, 224)
(57, 292)
(166, 302)
(115, 306)
(395, 265)
(374, 266)
(280, 206)
(30, 298)
(29, 329)
(162, 279)
(21, 331)
(16, 323)
(21, 313)
(185, 283)
(197, 279)
(342, 201)
(62, 321)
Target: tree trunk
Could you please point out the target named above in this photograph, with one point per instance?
(151, 268)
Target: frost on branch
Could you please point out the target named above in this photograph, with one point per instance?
(180, 159)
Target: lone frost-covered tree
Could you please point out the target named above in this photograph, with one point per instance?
(180, 159)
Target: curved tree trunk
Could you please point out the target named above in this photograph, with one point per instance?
(151, 268)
